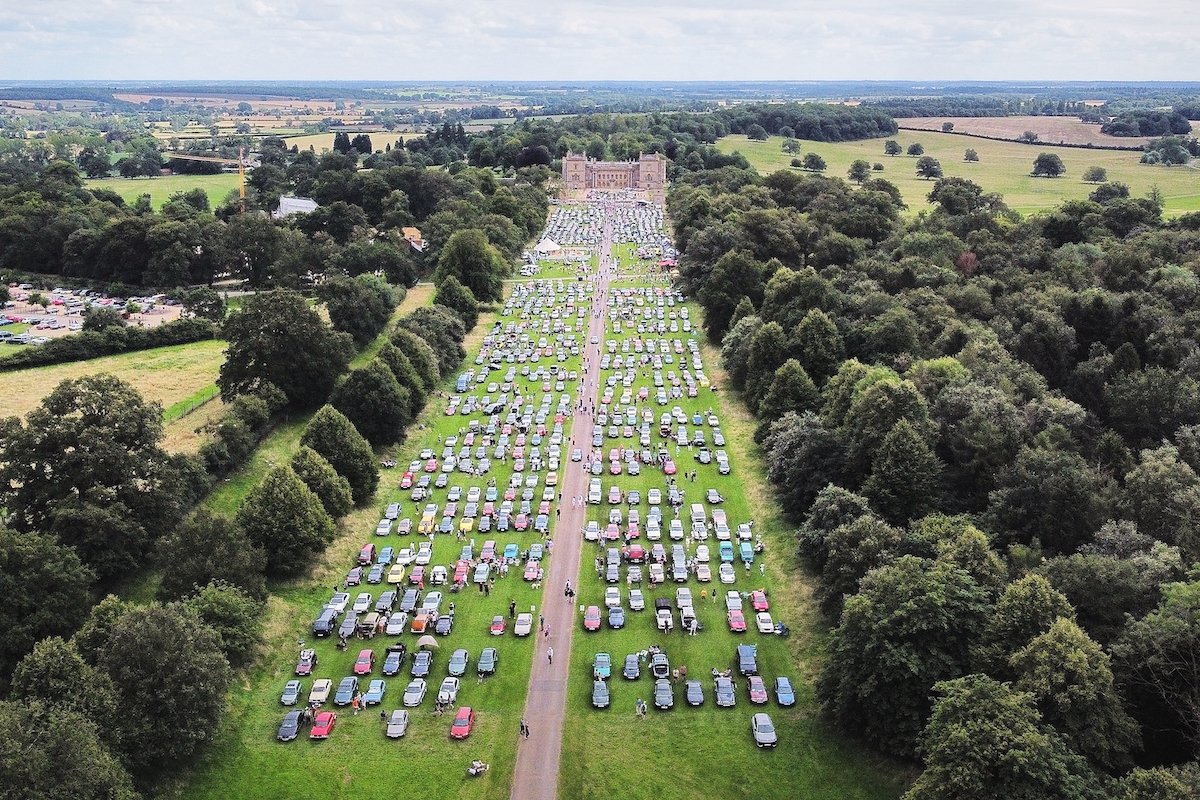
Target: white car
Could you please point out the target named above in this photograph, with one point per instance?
(726, 574)
(612, 597)
(339, 601)
(764, 623)
(405, 556)
(523, 625)
(637, 601)
(591, 533)
(702, 553)
(424, 553)
(448, 691)
(397, 623)
(362, 603)
(703, 573)
(414, 693)
(733, 601)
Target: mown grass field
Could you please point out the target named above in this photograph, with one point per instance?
(1002, 167)
(166, 375)
(706, 752)
(358, 762)
(161, 188)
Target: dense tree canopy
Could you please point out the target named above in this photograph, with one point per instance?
(277, 339)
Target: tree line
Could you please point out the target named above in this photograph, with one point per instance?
(985, 427)
(51, 224)
(69, 666)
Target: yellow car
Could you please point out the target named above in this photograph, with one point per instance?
(552, 479)
(467, 525)
(426, 526)
(396, 574)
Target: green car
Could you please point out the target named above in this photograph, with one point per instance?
(602, 666)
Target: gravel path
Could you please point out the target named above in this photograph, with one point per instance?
(535, 776)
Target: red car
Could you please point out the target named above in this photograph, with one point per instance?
(365, 662)
(737, 621)
(417, 576)
(612, 532)
(489, 551)
(632, 531)
(591, 618)
(308, 660)
(758, 689)
(544, 507)
(460, 571)
(636, 554)
(431, 465)
(510, 493)
(521, 522)
(758, 600)
(323, 725)
(669, 467)
(464, 721)
(406, 480)
(614, 467)
(498, 626)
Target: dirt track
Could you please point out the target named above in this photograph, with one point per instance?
(535, 776)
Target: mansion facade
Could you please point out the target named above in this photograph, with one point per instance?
(645, 178)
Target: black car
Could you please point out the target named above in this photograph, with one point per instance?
(289, 729)
(422, 662)
(694, 691)
(325, 624)
(600, 695)
(444, 625)
(488, 660)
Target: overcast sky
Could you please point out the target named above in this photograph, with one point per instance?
(600, 39)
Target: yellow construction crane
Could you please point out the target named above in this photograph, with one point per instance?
(240, 161)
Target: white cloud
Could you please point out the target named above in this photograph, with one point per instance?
(599, 39)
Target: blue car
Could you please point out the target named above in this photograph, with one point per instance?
(385, 556)
(726, 552)
(346, 691)
(375, 690)
(536, 551)
(783, 692)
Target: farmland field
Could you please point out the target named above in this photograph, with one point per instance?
(1002, 167)
(166, 375)
(161, 188)
(1051, 130)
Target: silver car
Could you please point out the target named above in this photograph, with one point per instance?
(763, 730)
(397, 724)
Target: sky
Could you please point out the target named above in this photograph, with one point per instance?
(599, 40)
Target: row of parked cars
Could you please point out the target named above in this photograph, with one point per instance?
(396, 587)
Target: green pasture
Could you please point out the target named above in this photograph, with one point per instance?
(705, 752)
(1003, 167)
(161, 188)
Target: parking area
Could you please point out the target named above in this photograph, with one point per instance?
(429, 633)
(60, 311)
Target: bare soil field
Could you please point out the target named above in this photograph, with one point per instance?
(1050, 130)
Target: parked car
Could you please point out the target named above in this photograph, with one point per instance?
(375, 691)
(397, 724)
(489, 659)
(346, 691)
(291, 693)
(289, 729)
(600, 694)
(323, 725)
(414, 693)
(763, 730)
(784, 693)
(319, 693)
(602, 666)
(448, 691)
(664, 698)
(723, 689)
(459, 660)
(464, 721)
(524, 624)
(694, 693)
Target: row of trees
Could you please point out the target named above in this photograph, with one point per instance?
(50, 223)
(932, 395)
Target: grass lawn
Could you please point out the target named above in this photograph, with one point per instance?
(1002, 167)
(161, 188)
(358, 762)
(707, 752)
(167, 375)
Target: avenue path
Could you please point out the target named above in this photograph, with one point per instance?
(535, 776)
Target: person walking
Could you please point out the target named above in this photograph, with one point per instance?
(541, 622)
(512, 609)
(550, 655)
